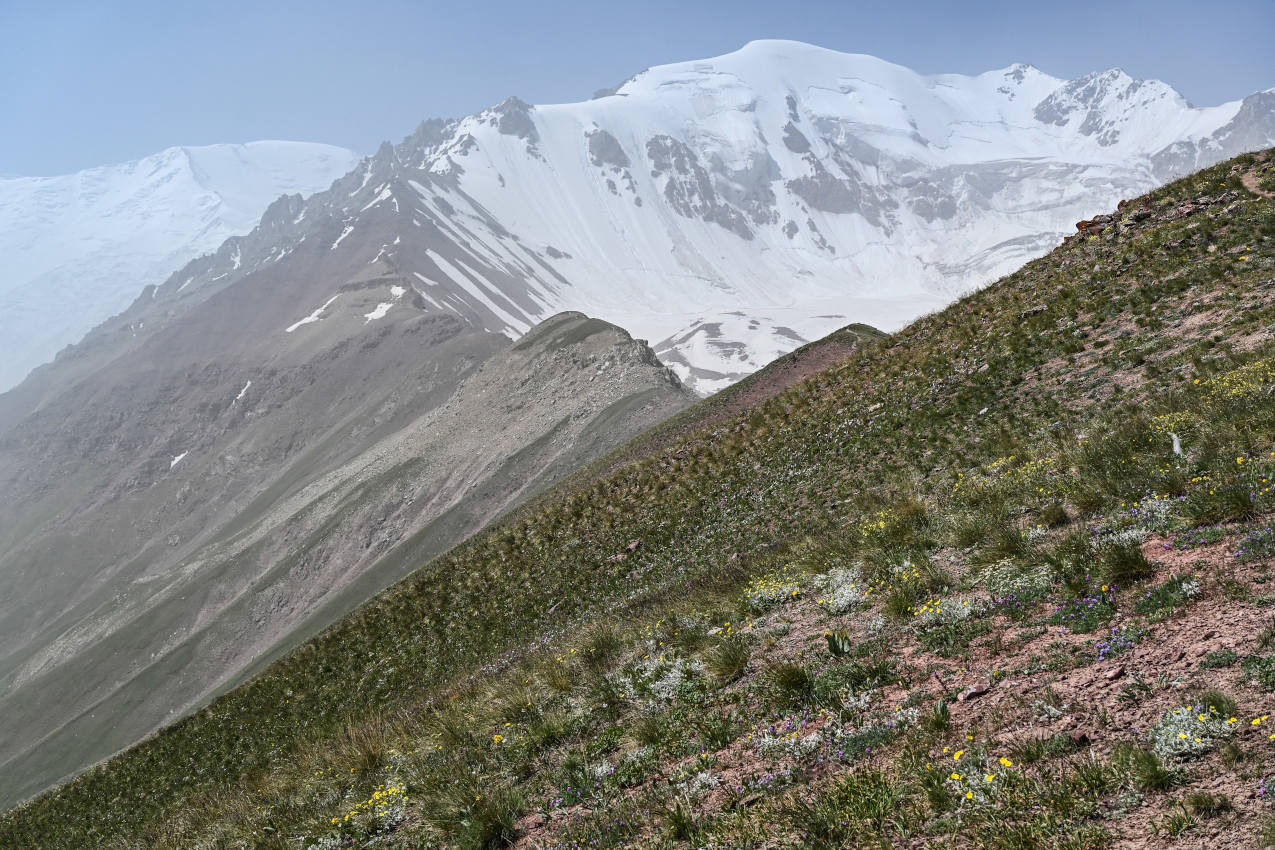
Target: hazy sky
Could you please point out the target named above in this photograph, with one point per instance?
(89, 83)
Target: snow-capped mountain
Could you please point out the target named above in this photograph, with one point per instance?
(78, 248)
(727, 209)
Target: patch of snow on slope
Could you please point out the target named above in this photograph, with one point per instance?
(466, 282)
(313, 317)
(349, 228)
(382, 195)
(378, 312)
(177, 459)
(396, 292)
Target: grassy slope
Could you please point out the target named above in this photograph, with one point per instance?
(935, 449)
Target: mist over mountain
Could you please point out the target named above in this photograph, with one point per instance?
(227, 489)
(79, 247)
(727, 209)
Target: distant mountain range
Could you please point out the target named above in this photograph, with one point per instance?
(730, 209)
(79, 247)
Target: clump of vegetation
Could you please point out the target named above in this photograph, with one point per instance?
(727, 661)
(1203, 804)
(1262, 670)
(1160, 602)
(842, 590)
(773, 589)
(840, 643)
(1145, 768)
(1219, 658)
(1087, 613)
(1191, 730)
(1197, 537)
(1257, 545)
(1118, 642)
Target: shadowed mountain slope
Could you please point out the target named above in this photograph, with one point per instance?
(228, 489)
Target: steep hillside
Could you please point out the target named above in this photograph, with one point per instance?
(79, 247)
(998, 581)
(732, 209)
(219, 495)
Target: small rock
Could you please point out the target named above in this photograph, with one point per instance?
(633, 546)
(975, 690)
(1080, 738)
(1114, 673)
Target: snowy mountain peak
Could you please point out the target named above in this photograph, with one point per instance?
(729, 208)
(79, 247)
(1103, 105)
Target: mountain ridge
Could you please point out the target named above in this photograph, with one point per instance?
(201, 506)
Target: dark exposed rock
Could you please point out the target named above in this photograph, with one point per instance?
(514, 119)
(795, 140)
(605, 149)
(689, 188)
(975, 690)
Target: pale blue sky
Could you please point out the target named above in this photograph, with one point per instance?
(89, 83)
